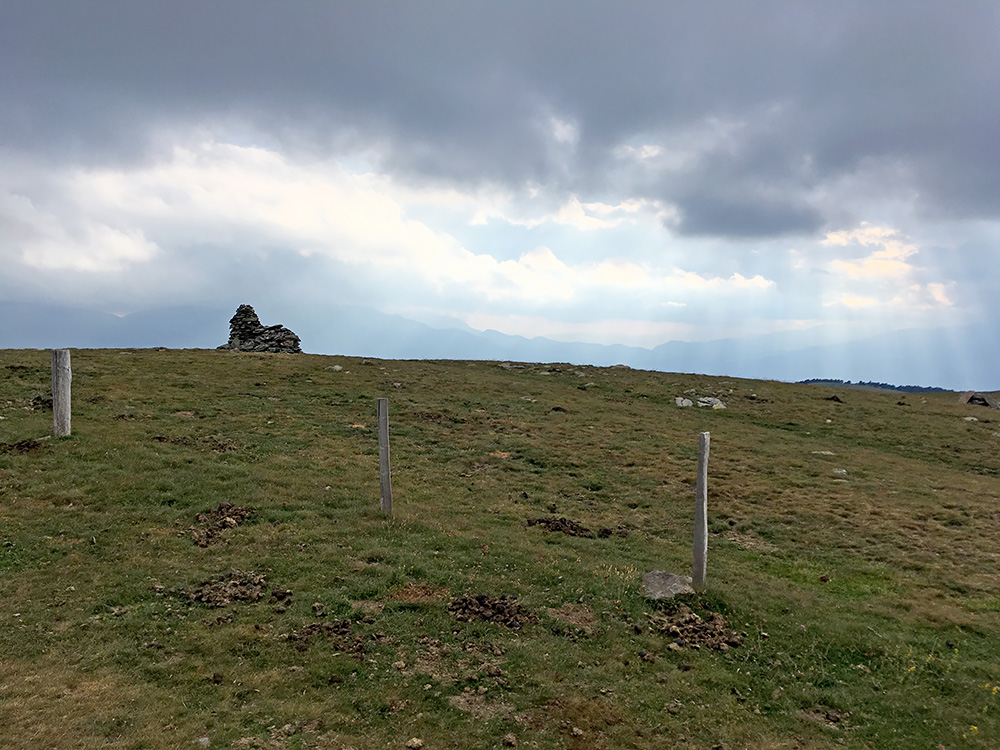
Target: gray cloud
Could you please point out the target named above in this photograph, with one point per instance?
(465, 92)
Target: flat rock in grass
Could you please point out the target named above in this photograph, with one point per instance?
(659, 584)
(710, 401)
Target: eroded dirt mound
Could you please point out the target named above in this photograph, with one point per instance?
(21, 446)
(235, 586)
(503, 610)
(688, 629)
(41, 403)
(211, 523)
(338, 631)
(619, 530)
(563, 525)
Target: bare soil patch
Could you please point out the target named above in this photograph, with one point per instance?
(582, 721)
(339, 632)
(420, 593)
(503, 610)
(173, 440)
(211, 443)
(235, 586)
(474, 701)
(572, 528)
(434, 660)
(21, 446)
(749, 541)
(827, 716)
(41, 403)
(689, 629)
(562, 525)
(211, 523)
(578, 615)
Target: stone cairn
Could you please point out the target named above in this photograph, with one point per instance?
(246, 334)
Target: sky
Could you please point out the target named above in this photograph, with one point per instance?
(628, 172)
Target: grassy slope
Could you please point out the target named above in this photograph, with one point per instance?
(99, 646)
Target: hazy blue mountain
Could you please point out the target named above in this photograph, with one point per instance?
(26, 325)
(963, 358)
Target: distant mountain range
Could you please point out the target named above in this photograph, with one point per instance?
(961, 358)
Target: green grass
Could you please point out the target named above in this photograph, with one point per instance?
(869, 600)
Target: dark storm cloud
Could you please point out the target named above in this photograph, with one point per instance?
(466, 92)
(738, 217)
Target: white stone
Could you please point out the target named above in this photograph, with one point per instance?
(659, 584)
(683, 401)
(710, 401)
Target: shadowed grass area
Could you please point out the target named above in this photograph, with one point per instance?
(855, 544)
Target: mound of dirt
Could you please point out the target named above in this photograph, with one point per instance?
(41, 403)
(211, 523)
(688, 629)
(21, 446)
(619, 530)
(337, 631)
(503, 610)
(562, 525)
(235, 586)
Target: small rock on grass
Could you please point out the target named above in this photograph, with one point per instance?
(414, 743)
(509, 740)
(659, 584)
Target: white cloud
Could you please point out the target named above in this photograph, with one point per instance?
(885, 279)
(691, 280)
(564, 131)
(852, 301)
(83, 244)
(253, 203)
(889, 261)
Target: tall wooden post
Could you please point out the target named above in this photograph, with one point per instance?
(384, 479)
(701, 515)
(62, 376)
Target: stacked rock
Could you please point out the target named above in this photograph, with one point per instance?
(246, 334)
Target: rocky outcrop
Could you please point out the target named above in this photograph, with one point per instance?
(979, 399)
(246, 334)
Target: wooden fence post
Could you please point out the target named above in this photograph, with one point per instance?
(701, 515)
(62, 376)
(384, 479)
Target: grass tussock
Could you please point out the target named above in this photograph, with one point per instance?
(204, 560)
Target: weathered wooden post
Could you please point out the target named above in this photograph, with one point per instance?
(62, 376)
(384, 480)
(701, 515)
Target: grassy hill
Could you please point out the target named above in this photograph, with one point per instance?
(203, 563)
